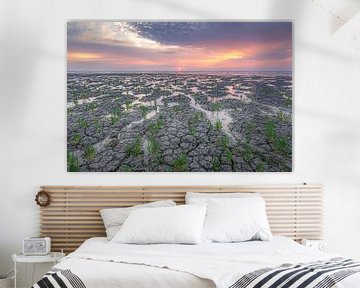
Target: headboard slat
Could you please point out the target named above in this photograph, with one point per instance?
(73, 216)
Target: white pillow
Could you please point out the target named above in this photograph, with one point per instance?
(236, 220)
(113, 218)
(204, 198)
(180, 224)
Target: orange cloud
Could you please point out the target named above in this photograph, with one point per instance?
(83, 56)
(220, 57)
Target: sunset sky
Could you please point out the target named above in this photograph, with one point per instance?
(179, 46)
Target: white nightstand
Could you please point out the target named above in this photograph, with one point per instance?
(53, 257)
(320, 245)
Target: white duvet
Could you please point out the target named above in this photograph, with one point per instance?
(100, 263)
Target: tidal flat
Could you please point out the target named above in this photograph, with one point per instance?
(179, 122)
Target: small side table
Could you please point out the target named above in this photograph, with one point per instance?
(53, 257)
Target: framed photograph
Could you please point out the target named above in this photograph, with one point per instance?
(179, 96)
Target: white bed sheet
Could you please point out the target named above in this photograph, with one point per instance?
(101, 274)
(100, 263)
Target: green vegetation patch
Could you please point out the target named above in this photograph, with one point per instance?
(216, 165)
(126, 168)
(218, 125)
(248, 152)
(279, 143)
(135, 148)
(72, 163)
(90, 153)
(76, 139)
(180, 164)
(83, 123)
(143, 110)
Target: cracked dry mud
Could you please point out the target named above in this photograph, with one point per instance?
(239, 122)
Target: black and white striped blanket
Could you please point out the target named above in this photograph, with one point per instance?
(320, 274)
(57, 278)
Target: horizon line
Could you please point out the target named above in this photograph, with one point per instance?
(174, 71)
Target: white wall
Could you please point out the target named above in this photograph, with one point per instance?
(33, 116)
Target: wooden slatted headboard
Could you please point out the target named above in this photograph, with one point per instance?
(73, 215)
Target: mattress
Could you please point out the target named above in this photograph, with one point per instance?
(99, 263)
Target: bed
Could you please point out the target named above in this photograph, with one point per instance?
(295, 211)
(99, 263)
